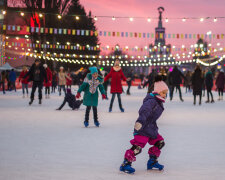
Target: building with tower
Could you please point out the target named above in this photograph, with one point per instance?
(160, 52)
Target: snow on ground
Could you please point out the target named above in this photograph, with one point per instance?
(40, 143)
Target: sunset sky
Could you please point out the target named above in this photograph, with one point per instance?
(148, 8)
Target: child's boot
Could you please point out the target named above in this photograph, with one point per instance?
(126, 167)
(153, 163)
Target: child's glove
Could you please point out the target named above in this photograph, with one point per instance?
(78, 95)
(103, 96)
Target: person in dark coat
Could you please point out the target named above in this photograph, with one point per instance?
(176, 79)
(130, 78)
(209, 85)
(71, 100)
(54, 81)
(12, 79)
(146, 129)
(220, 81)
(2, 81)
(37, 74)
(151, 80)
(187, 82)
(197, 81)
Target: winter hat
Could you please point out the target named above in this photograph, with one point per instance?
(221, 70)
(45, 65)
(160, 86)
(93, 70)
(61, 67)
(68, 90)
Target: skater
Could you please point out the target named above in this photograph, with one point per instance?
(71, 100)
(146, 130)
(49, 82)
(90, 87)
(116, 74)
(24, 81)
(175, 78)
(105, 84)
(69, 80)
(12, 79)
(151, 80)
(209, 85)
(187, 82)
(197, 82)
(2, 81)
(62, 80)
(37, 74)
(130, 78)
(54, 81)
(220, 80)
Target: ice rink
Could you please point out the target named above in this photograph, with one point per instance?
(40, 143)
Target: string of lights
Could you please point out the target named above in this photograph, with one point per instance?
(114, 18)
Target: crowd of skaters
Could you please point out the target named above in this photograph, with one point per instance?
(196, 82)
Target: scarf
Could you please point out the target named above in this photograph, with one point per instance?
(155, 94)
(93, 84)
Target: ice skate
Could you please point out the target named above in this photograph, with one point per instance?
(153, 164)
(96, 123)
(126, 167)
(31, 101)
(121, 109)
(86, 124)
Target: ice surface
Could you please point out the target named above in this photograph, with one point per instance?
(40, 143)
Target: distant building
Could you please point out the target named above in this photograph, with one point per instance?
(160, 53)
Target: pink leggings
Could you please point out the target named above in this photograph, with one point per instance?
(142, 141)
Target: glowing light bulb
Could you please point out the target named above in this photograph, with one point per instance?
(131, 19)
(113, 18)
(22, 13)
(77, 17)
(59, 17)
(215, 20)
(149, 20)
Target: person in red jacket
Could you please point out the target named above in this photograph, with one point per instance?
(116, 75)
(24, 80)
(68, 80)
(47, 84)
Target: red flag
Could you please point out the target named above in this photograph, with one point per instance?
(92, 33)
(178, 36)
(69, 31)
(46, 30)
(218, 36)
(113, 33)
(135, 34)
(198, 36)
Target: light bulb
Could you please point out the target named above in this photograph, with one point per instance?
(113, 18)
